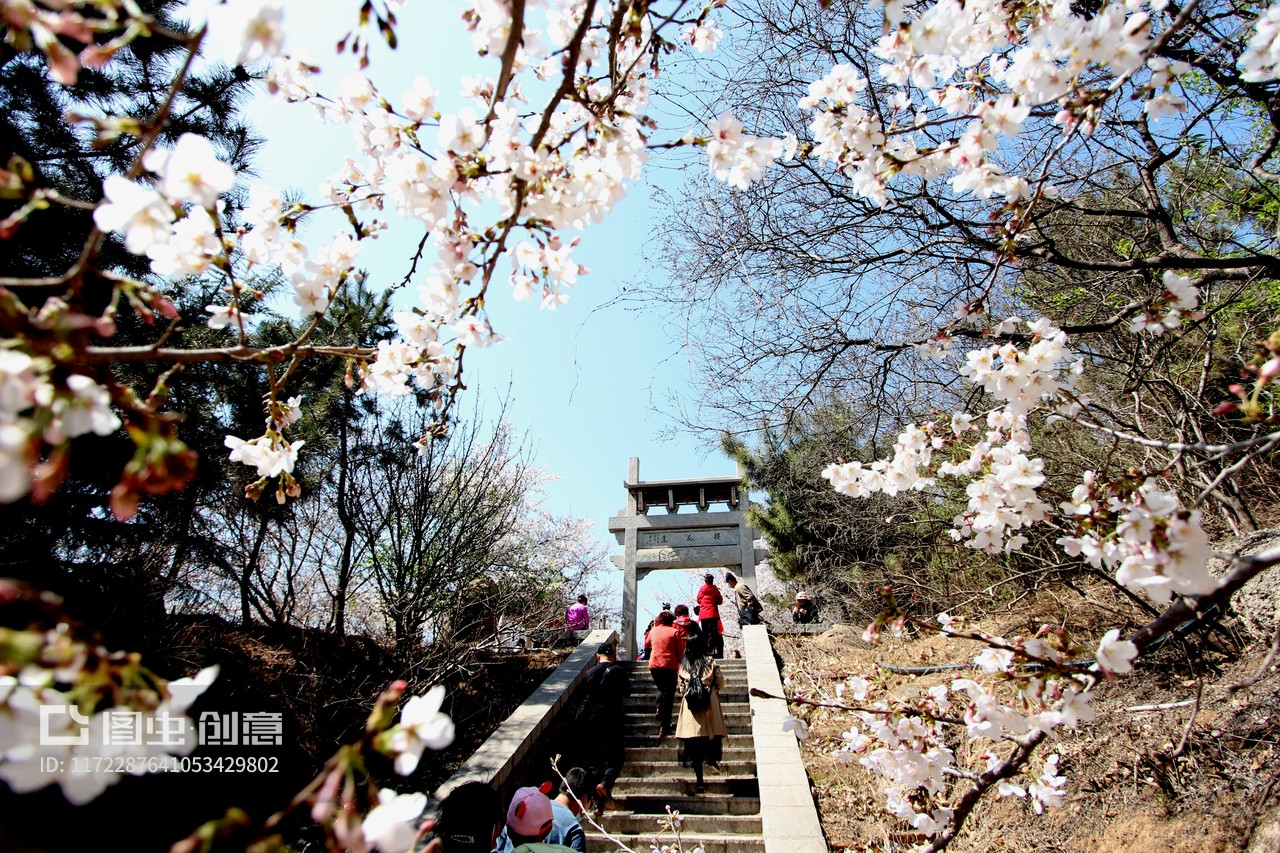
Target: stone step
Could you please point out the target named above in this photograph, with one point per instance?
(649, 694)
(643, 730)
(647, 735)
(629, 823)
(646, 681)
(725, 663)
(708, 843)
(647, 708)
(669, 752)
(710, 803)
(742, 785)
(663, 769)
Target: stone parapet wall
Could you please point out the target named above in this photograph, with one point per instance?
(504, 759)
(787, 810)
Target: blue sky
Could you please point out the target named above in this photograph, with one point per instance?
(589, 382)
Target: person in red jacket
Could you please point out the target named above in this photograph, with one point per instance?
(684, 624)
(709, 601)
(667, 650)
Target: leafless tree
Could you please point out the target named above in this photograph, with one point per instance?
(797, 293)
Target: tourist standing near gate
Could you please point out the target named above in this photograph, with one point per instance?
(749, 607)
(577, 617)
(709, 601)
(804, 611)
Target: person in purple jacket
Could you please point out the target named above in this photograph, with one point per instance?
(577, 617)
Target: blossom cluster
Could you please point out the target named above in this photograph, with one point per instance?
(983, 67)
(904, 742)
(1178, 301)
(36, 407)
(55, 716)
(1143, 533)
(391, 824)
(739, 158)
(1137, 529)
(1004, 480)
(270, 453)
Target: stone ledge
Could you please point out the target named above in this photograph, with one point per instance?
(788, 815)
(501, 755)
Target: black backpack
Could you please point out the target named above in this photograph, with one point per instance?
(596, 692)
(697, 696)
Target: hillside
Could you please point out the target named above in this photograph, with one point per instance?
(322, 685)
(1188, 777)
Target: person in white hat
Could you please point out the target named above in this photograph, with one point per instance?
(804, 611)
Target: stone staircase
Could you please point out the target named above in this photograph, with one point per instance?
(725, 819)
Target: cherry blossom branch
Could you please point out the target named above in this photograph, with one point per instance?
(890, 712)
(1247, 567)
(108, 355)
(1265, 442)
(985, 782)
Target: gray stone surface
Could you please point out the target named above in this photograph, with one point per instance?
(787, 810)
(500, 758)
(1258, 603)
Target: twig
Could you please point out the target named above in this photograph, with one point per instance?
(1163, 706)
(1191, 721)
(1262, 670)
(800, 700)
(584, 810)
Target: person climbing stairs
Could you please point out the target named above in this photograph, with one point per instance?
(724, 819)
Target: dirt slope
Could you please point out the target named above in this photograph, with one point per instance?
(1129, 787)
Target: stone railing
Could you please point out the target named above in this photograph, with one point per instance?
(788, 816)
(516, 753)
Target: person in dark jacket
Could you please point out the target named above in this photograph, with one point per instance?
(804, 611)
(749, 607)
(599, 722)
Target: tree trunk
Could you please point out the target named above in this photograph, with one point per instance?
(246, 576)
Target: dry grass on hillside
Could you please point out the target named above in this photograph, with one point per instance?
(1129, 789)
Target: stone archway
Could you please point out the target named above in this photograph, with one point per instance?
(703, 539)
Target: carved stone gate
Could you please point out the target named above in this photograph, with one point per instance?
(702, 539)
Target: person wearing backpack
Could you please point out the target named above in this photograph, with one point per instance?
(749, 607)
(598, 723)
(701, 725)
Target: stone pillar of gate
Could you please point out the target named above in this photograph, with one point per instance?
(670, 538)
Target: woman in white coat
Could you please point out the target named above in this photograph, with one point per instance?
(701, 727)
